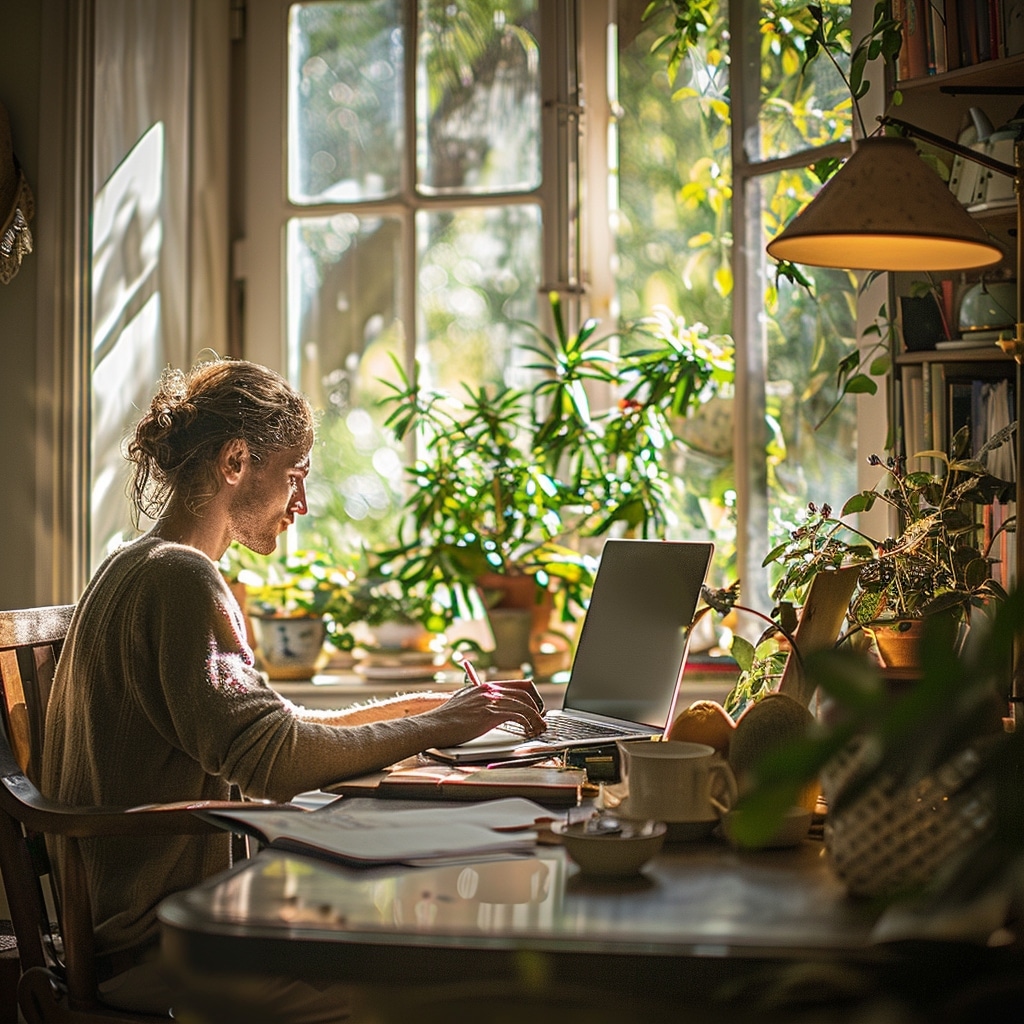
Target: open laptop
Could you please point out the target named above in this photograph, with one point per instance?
(630, 656)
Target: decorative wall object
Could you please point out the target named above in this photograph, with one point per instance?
(17, 205)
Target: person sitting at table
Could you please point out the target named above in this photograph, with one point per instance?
(156, 696)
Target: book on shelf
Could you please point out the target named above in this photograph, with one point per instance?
(911, 382)
(914, 16)
(942, 35)
(938, 54)
(938, 398)
(998, 543)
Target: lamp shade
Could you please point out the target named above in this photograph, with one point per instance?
(885, 209)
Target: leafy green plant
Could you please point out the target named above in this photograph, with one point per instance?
(514, 481)
(934, 564)
(313, 583)
(958, 702)
(300, 583)
(378, 598)
(884, 39)
(761, 663)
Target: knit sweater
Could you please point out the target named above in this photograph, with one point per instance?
(156, 699)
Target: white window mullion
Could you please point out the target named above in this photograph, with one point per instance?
(266, 207)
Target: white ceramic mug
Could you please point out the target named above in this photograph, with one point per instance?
(673, 781)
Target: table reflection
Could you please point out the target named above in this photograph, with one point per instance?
(500, 895)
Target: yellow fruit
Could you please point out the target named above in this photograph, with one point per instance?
(704, 721)
(765, 726)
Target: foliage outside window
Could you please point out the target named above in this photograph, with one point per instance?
(675, 229)
(418, 235)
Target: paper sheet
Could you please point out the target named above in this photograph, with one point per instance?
(362, 835)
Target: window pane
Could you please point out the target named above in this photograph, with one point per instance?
(674, 244)
(478, 97)
(799, 108)
(345, 100)
(479, 269)
(343, 321)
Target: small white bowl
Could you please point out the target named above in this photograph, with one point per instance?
(615, 849)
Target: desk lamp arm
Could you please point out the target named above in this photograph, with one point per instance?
(1014, 346)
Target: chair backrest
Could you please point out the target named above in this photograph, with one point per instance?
(30, 644)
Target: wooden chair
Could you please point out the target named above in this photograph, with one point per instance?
(58, 983)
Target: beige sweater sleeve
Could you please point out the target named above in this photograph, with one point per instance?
(208, 699)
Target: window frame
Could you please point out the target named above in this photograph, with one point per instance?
(259, 252)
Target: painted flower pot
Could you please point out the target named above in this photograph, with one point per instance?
(290, 648)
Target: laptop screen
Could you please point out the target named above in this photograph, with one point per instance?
(633, 642)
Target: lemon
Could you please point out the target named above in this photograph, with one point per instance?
(704, 721)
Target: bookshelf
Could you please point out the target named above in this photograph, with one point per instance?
(943, 36)
(954, 377)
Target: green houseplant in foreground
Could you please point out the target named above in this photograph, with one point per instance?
(913, 733)
(514, 482)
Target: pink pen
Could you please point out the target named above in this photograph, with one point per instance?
(471, 672)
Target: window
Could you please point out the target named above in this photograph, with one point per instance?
(410, 224)
(419, 172)
(711, 162)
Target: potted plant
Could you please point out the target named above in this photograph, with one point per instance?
(294, 603)
(937, 563)
(513, 482)
(389, 616)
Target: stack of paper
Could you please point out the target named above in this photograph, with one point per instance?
(360, 836)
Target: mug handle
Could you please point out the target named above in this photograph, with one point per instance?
(722, 771)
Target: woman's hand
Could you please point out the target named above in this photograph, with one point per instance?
(475, 709)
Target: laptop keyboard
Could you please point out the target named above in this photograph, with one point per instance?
(562, 727)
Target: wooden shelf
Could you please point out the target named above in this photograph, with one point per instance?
(955, 355)
(999, 77)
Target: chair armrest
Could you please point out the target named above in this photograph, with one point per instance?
(24, 802)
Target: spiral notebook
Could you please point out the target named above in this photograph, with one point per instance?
(630, 657)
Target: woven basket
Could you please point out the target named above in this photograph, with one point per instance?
(892, 838)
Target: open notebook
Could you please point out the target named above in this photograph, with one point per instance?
(630, 656)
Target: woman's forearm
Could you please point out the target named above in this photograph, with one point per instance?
(399, 706)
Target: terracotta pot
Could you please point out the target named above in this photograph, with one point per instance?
(898, 642)
(502, 590)
(508, 599)
(523, 591)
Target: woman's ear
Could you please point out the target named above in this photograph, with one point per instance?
(234, 457)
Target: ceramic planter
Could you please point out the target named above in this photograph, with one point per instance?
(397, 636)
(290, 648)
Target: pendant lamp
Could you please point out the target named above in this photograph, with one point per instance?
(886, 209)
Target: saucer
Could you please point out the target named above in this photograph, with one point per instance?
(410, 673)
(678, 831)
